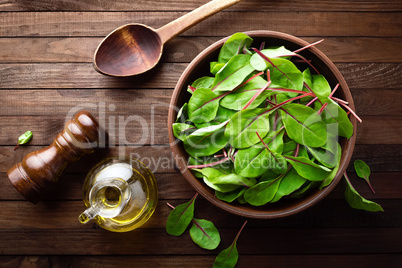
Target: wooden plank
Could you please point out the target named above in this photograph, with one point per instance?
(329, 213)
(387, 186)
(147, 127)
(298, 241)
(159, 158)
(165, 76)
(196, 261)
(184, 49)
(173, 5)
(297, 23)
(149, 103)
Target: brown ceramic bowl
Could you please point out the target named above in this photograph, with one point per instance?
(200, 66)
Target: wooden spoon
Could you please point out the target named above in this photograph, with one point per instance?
(136, 48)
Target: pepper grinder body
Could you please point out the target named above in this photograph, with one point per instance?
(40, 170)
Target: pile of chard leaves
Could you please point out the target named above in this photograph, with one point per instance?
(265, 126)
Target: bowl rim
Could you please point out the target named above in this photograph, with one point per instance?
(230, 207)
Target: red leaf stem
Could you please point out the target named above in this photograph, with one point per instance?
(339, 100)
(312, 101)
(262, 45)
(303, 59)
(333, 91)
(308, 46)
(288, 90)
(192, 88)
(238, 234)
(256, 95)
(351, 111)
(322, 108)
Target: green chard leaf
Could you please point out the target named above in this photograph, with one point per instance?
(241, 129)
(206, 141)
(291, 182)
(320, 87)
(304, 125)
(180, 217)
(203, 105)
(260, 64)
(230, 196)
(215, 67)
(227, 258)
(336, 118)
(284, 74)
(203, 82)
(308, 169)
(205, 234)
(240, 97)
(355, 200)
(363, 171)
(24, 138)
(328, 154)
(182, 130)
(182, 114)
(256, 160)
(327, 181)
(233, 73)
(233, 46)
(263, 192)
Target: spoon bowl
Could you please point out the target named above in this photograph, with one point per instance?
(130, 49)
(136, 48)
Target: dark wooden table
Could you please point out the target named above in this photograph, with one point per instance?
(46, 49)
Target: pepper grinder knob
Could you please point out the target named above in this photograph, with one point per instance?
(40, 170)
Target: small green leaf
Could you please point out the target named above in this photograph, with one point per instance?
(291, 182)
(180, 217)
(262, 193)
(182, 130)
(205, 234)
(363, 171)
(227, 258)
(241, 129)
(230, 196)
(24, 138)
(355, 200)
(304, 125)
(233, 46)
(203, 106)
(233, 73)
(308, 169)
(260, 64)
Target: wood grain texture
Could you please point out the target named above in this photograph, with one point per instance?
(299, 241)
(173, 5)
(196, 261)
(46, 49)
(165, 76)
(173, 184)
(185, 49)
(63, 215)
(295, 23)
(106, 103)
(147, 126)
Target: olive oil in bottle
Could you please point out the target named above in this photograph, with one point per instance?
(120, 194)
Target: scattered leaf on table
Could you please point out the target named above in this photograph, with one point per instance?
(205, 234)
(355, 200)
(24, 138)
(180, 217)
(363, 171)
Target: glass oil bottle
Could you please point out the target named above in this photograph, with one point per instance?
(120, 194)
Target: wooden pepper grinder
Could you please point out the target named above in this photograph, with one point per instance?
(40, 170)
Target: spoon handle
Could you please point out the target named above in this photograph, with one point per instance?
(185, 22)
